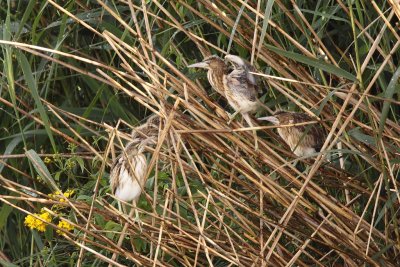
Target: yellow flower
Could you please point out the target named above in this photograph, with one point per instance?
(47, 160)
(40, 179)
(30, 221)
(69, 193)
(57, 195)
(64, 225)
(34, 223)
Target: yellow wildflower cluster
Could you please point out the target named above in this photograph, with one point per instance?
(64, 225)
(70, 164)
(57, 195)
(34, 223)
(47, 160)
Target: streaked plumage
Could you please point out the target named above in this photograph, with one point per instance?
(303, 140)
(238, 63)
(216, 70)
(240, 88)
(128, 173)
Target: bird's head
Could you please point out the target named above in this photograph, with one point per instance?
(241, 66)
(148, 129)
(211, 62)
(236, 62)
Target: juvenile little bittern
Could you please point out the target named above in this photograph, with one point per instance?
(303, 140)
(240, 88)
(216, 70)
(128, 173)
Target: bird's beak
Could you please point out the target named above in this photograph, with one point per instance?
(202, 65)
(272, 119)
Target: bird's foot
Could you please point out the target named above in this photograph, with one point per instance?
(231, 117)
(138, 221)
(256, 144)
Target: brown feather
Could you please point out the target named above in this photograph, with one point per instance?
(127, 175)
(302, 139)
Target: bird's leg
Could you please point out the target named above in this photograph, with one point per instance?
(248, 120)
(123, 232)
(137, 218)
(122, 210)
(232, 116)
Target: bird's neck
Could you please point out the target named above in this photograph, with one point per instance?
(216, 79)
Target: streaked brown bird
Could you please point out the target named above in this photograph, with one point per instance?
(303, 140)
(240, 88)
(217, 68)
(128, 172)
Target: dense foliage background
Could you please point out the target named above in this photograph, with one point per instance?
(76, 76)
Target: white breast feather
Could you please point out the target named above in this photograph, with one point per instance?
(129, 188)
(236, 100)
(303, 151)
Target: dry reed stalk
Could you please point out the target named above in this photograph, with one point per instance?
(225, 201)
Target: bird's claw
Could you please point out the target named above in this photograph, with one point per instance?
(232, 116)
(138, 221)
(230, 119)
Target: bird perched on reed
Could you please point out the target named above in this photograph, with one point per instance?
(240, 89)
(217, 68)
(303, 140)
(128, 172)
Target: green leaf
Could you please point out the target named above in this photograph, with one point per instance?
(4, 212)
(267, 15)
(41, 169)
(239, 15)
(10, 147)
(314, 63)
(25, 17)
(388, 205)
(7, 264)
(389, 92)
(38, 239)
(32, 85)
(80, 163)
(360, 136)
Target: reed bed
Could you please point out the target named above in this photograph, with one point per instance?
(210, 198)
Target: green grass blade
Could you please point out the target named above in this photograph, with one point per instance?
(9, 149)
(389, 92)
(32, 85)
(41, 169)
(25, 17)
(7, 264)
(314, 63)
(267, 15)
(235, 26)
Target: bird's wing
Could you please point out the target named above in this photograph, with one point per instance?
(115, 172)
(251, 77)
(240, 85)
(313, 130)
